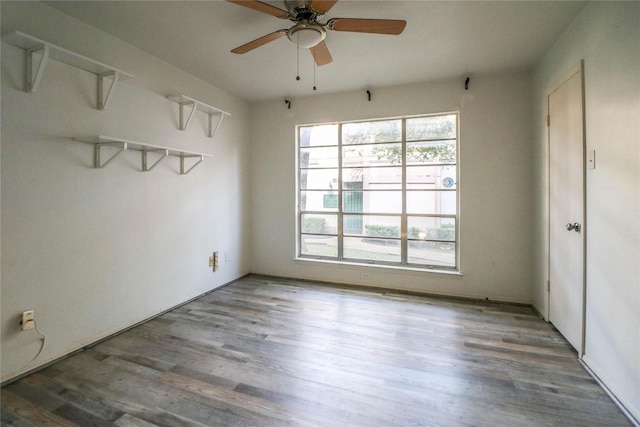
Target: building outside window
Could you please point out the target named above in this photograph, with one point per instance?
(380, 191)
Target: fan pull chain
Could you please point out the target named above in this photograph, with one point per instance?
(314, 68)
(298, 57)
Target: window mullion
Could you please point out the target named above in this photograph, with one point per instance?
(299, 195)
(403, 219)
(340, 196)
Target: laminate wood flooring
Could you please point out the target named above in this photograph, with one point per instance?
(274, 352)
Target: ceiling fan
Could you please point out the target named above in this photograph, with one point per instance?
(309, 32)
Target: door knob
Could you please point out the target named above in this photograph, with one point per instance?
(575, 227)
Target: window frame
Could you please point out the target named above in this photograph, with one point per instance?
(404, 240)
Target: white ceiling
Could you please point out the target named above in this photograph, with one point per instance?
(442, 40)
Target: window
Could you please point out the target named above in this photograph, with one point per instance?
(380, 192)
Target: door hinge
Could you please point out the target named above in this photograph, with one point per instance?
(548, 286)
(548, 120)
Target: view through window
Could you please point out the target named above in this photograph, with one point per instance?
(380, 192)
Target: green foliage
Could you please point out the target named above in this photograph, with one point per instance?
(378, 230)
(418, 129)
(440, 153)
(423, 129)
(312, 224)
(446, 232)
(372, 132)
(414, 232)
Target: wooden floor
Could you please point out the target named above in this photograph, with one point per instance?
(272, 352)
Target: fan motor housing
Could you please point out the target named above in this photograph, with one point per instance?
(298, 8)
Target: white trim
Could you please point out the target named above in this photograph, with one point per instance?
(384, 266)
(611, 392)
(577, 69)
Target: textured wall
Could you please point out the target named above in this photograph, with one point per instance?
(607, 36)
(495, 183)
(95, 250)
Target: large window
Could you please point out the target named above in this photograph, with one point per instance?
(380, 192)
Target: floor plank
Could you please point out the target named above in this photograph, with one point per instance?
(277, 352)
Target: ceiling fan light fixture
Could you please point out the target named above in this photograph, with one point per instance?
(307, 35)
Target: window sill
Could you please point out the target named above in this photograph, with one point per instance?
(379, 266)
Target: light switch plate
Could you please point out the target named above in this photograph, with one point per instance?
(591, 159)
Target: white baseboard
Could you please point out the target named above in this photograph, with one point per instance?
(624, 406)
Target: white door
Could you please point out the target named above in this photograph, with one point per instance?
(566, 211)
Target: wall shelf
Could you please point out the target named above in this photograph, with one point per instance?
(101, 141)
(195, 105)
(40, 51)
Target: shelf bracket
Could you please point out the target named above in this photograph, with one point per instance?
(33, 79)
(146, 167)
(212, 130)
(184, 171)
(103, 100)
(98, 148)
(148, 162)
(211, 112)
(184, 124)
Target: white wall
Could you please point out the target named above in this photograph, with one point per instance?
(607, 36)
(95, 250)
(495, 183)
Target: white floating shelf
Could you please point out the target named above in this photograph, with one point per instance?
(39, 51)
(195, 105)
(100, 141)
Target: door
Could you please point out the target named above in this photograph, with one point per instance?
(352, 204)
(566, 210)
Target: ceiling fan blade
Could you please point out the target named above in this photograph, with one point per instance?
(374, 26)
(262, 7)
(322, 6)
(321, 54)
(259, 41)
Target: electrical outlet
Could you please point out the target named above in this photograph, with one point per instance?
(365, 275)
(28, 320)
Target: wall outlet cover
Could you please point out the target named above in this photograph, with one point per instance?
(28, 320)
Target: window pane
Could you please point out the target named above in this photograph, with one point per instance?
(319, 224)
(352, 178)
(431, 152)
(372, 201)
(432, 127)
(431, 202)
(370, 132)
(372, 225)
(432, 253)
(326, 246)
(324, 201)
(431, 178)
(425, 228)
(372, 249)
(383, 178)
(313, 136)
(319, 157)
(372, 155)
(318, 179)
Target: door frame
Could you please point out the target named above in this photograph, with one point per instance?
(579, 68)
